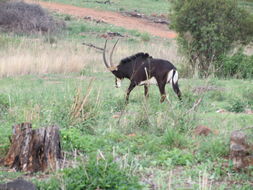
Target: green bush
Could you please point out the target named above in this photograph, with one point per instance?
(175, 157)
(238, 65)
(236, 105)
(209, 28)
(99, 174)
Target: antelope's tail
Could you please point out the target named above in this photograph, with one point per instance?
(174, 82)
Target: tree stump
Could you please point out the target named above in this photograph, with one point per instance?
(240, 150)
(34, 150)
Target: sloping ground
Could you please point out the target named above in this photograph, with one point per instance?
(114, 18)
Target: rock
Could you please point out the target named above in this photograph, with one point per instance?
(221, 111)
(18, 184)
(240, 150)
(202, 130)
(248, 111)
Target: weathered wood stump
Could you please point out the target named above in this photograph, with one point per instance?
(34, 150)
(240, 150)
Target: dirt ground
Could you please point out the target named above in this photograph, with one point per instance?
(114, 18)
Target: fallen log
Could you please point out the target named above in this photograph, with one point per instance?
(34, 150)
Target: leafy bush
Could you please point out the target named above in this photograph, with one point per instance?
(209, 28)
(236, 105)
(99, 174)
(238, 65)
(175, 157)
(27, 18)
(71, 138)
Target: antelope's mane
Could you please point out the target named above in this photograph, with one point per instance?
(134, 57)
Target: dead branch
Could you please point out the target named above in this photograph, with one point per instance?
(100, 2)
(245, 128)
(93, 46)
(77, 109)
(195, 105)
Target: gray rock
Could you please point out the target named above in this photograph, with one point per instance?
(18, 184)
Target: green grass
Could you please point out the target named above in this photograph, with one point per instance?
(156, 135)
(150, 144)
(147, 7)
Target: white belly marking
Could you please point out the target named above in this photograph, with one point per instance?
(149, 81)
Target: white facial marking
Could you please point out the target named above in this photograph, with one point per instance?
(118, 83)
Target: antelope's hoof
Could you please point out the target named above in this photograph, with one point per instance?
(162, 99)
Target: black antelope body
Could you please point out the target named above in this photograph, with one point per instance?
(142, 69)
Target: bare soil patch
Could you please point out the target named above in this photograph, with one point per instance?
(131, 23)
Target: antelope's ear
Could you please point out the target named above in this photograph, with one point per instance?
(146, 55)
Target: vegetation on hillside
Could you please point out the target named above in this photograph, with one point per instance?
(208, 30)
(111, 145)
(26, 18)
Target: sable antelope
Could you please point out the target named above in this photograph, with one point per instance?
(142, 69)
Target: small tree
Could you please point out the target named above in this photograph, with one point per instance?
(210, 28)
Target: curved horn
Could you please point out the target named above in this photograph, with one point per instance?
(112, 53)
(104, 58)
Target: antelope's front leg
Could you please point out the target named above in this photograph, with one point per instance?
(130, 88)
(146, 91)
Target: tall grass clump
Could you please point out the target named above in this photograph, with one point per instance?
(173, 138)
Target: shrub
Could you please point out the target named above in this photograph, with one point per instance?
(236, 105)
(99, 174)
(21, 17)
(209, 28)
(175, 157)
(238, 65)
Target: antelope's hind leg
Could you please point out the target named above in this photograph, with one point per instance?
(162, 91)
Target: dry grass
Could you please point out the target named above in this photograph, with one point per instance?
(34, 56)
